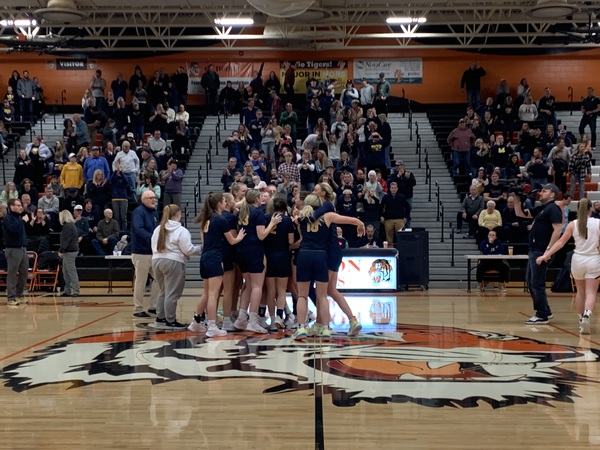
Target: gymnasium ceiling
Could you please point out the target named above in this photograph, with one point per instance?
(113, 26)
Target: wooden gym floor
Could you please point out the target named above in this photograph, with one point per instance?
(437, 369)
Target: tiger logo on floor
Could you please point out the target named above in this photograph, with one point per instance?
(428, 365)
(380, 271)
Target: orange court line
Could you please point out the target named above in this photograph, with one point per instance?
(564, 331)
(58, 335)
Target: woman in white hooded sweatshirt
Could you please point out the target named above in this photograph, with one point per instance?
(171, 250)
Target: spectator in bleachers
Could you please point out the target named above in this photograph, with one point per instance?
(227, 99)
(290, 168)
(371, 208)
(128, 163)
(25, 92)
(38, 232)
(346, 205)
(69, 136)
(119, 86)
(500, 152)
(28, 208)
(395, 211)
(211, 84)
(71, 175)
(90, 214)
(344, 164)
(228, 171)
(523, 91)
(135, 79)
(170, 112)
(26, 187)
(50, 205)
(507, 118)
(181, 142)
(269, 136)
(289, 117)
(107, 235)
(461, 140)
(248, 113)
(158, 120)
(547, 108)
(502, 92)
(479, 129)
(121, 117)
(564, 206)
(590, 106)
(373, 185)
(471, 207)
(514, 228)
(528, 112)
(255, 127)
(596, 210)
(375, 148)
(72, 198)
(257, 159)
(84, 231)
(173, 182)
(276, 105)
(241, 97)
(96, 120)
(580, 166)
(98, 86)
(512, 170)
(561, 168)
(110, 154)
(471, 80)
(489, 219)
(149, 167)
(537, 169)
(57, 188)
(549, 137)
(496, 192)
(481, 155)
(82, 155)
(306, 166)
(383, 91)
(492, 246)
(406, 181)
(23, 167)
(95, 162)
(156, 145)
(137, 122)
(248, 174)
(489, 123)
(8, 113)
(80, 132)
(560, 145)
(120, 192)
(149, 183)
(9, 192)
(110, 105)
(109, 132)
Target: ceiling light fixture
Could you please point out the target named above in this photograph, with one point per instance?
(552, 9)
(234, 21)
(18, 23)
(405, 20)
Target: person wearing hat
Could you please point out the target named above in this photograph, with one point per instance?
(545, 231)
(348, 94)
(71, 175)
(383, 91)
(367, 95)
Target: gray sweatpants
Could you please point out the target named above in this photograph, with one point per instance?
(170, 277)
(70, 273)
(17, 271)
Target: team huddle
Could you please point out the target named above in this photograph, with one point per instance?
(273, 249)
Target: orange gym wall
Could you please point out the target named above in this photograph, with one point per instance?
(442, 70)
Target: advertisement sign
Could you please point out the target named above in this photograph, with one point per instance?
(228, 71)
(368, 272)
(373, 312)
(335, 71)
(397, 71)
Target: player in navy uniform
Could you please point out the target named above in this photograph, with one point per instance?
(250, 256)
(230, 294)
(215, 230)
(279, 266)
(334, 259)
(312, 264)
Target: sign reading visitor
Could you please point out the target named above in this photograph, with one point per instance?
(397, 71)
(71, 64)
(334, 71)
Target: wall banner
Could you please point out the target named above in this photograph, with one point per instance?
(335, 71)
(397, 71)
(228, 71)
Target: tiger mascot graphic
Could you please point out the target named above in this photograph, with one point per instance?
(380, 271)
(428, 365)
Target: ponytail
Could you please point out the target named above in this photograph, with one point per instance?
(583, 210)
(310, 203)
(210, 207)
(251, 196)
(169, 212)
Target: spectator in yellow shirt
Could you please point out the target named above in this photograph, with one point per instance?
(489, 219)
(71, 175)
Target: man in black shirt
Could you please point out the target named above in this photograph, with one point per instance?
(544, 232)
(590, 106)
(496, 191)
(547, 108)
(471, 80)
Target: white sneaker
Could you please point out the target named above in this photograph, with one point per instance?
(277, 324)
(228, 325)
(196, 327)
(584, 325)
(241, 323)
(214, 331)
(290, 322)
(255, 328)
(263, 322)
(311, 317)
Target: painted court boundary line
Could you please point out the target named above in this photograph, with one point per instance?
(57, 336)
(581, 336)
